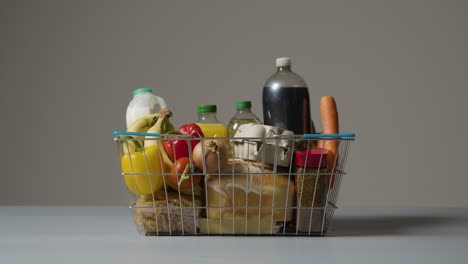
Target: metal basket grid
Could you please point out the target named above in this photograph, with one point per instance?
(307, 211)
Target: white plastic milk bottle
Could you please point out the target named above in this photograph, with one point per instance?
(144, 102)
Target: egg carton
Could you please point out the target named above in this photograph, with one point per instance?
(261, 143)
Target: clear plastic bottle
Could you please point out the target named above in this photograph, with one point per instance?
(243, 115)
(144, 102)
(286, 100)
(208, 122)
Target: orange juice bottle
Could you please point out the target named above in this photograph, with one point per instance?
(208, 122)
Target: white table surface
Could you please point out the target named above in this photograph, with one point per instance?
(108, 235)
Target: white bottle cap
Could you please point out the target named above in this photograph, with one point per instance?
(283, 62)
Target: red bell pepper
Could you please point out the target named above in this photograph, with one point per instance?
(193, 130)
(178, 147)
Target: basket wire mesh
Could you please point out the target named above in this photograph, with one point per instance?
(246, 197)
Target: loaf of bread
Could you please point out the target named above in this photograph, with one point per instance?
(172, 215)
(239, 227)
(246, 191)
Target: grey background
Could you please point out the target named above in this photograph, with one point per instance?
(398, 70)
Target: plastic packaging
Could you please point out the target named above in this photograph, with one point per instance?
(144, 102)
(241, 227)
(286, 100)
(250, 190)
(163, 213)
(208, 122)
(243, 116)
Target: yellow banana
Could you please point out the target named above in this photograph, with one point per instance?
(149, 141)
(142, 124)
(162, 126)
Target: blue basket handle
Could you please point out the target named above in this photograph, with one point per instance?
(126, 133)
(321, 136)
(306, 136)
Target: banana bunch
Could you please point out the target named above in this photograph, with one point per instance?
(149, 124)
(162, 126)
(143, 123)
(140, 125)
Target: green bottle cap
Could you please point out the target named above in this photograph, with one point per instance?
(142, 90)
(243, 104)
(206, 109)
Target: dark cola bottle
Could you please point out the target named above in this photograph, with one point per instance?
(286, 102)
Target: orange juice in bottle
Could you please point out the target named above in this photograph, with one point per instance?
(208, 122)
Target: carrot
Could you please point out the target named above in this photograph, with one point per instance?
(330, 125)
(329, 115)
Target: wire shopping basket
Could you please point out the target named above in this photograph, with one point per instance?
(275, 185)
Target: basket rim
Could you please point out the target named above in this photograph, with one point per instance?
(344, 136)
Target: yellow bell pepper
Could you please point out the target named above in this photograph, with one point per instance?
(142, 175)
